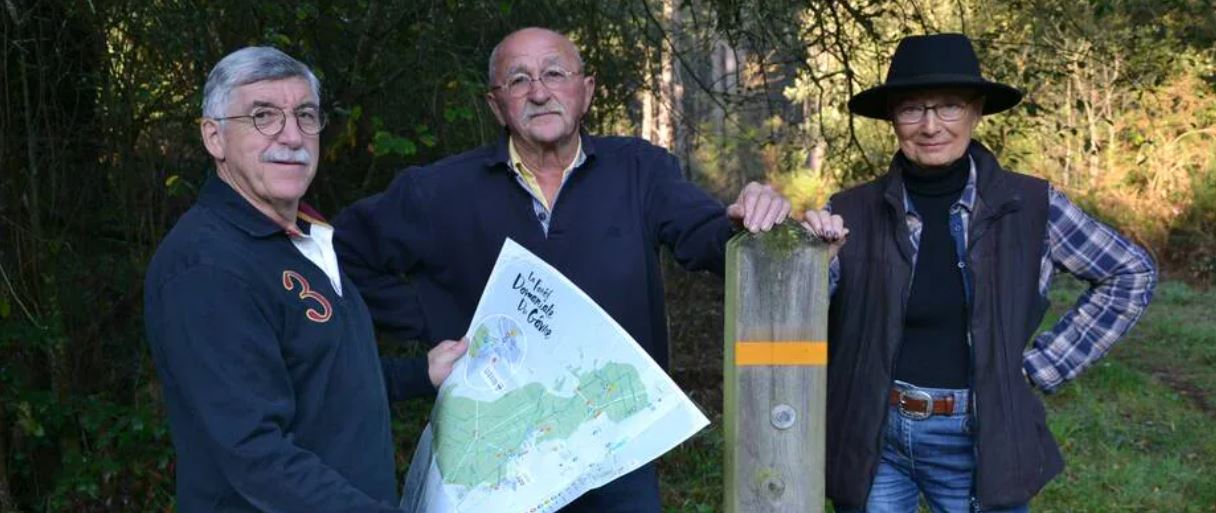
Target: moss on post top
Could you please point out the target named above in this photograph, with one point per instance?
(780, 242)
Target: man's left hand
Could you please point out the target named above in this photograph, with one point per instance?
(759, 208)
(439, 360)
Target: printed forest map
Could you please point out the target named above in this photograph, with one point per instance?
(553, 399)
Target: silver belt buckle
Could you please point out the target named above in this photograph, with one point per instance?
(919, 395)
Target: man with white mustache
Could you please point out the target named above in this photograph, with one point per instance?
(276, 395)
(287, 156)
(599, 209)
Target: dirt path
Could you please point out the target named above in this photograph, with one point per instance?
(1185, 388)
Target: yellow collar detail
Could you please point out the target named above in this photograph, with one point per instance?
(529, 178)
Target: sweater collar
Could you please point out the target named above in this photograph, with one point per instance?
(224, 200)
(985, 183)
(948, 181)
(499, 156)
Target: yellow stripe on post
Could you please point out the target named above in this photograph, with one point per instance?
(781, 352)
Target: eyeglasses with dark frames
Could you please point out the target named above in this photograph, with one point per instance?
(911, 113)
(271, 120)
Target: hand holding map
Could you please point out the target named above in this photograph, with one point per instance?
(553, 399)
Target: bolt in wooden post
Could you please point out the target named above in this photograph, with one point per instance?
(776, 371)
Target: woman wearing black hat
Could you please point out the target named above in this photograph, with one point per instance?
(937, 296)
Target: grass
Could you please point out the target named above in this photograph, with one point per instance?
(1137, 429)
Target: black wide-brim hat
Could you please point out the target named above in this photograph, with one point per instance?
(937, 61)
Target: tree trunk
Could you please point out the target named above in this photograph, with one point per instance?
(723, 68)
(7, 505)
(723, 83)
(648, 114)
(31, 150)
(670, 90)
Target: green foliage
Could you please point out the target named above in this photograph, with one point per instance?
(1119, 111)
(97, 452)
(1118, 115)
(1135, 429)
(1192, 241)
(100, 153)
(126, 458)
(691, 474)
(385, 143)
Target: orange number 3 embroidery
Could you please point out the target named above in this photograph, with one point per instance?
(289, 282)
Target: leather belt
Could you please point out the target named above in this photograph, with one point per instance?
(919, 404)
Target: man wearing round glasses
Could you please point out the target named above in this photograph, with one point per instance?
(267, 162)
(599, 209)
(276, 395)
(937, 297)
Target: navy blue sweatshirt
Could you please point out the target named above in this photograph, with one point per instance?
(272, 381)
(441, 227)
(421, 252)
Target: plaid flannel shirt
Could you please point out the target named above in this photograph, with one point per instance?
(1121, 275)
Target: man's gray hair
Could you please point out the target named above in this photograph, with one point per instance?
(578, 56)
(246, 66)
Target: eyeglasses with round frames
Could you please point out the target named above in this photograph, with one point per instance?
(952, 110)
(271, 120)
(520, 84)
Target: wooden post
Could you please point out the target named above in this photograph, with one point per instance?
(776, 371)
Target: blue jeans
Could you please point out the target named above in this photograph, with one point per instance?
(934, 457)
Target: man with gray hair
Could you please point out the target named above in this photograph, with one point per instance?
(598, 208)
(275, 391)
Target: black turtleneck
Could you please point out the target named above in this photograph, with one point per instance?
(934, 350)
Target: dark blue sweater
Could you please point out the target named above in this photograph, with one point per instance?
(272, 381)
(440, 227)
